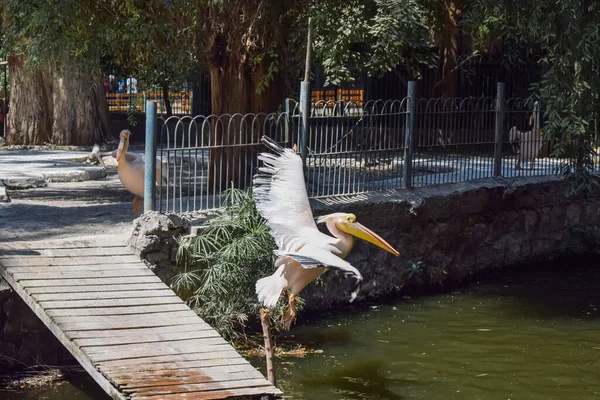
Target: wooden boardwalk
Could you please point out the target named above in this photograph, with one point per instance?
(129, 331)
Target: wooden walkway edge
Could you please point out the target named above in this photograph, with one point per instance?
(126, 328)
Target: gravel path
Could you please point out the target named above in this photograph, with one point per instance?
(67, 209)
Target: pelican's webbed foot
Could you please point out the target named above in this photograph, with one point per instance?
(290, 316)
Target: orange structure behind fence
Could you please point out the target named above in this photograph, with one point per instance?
(181, 102)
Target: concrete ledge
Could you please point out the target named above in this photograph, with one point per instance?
(20, 169)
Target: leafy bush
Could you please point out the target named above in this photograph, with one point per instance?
(220, 267)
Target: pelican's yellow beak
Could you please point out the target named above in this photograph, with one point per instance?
(362, 232)
(122, 144)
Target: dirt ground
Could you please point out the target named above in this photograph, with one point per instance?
(68, 209)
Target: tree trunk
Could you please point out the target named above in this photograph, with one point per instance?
(450, 47)
(165, 93)
(80, 110)
(30, 115)
(237, 135)
(48, 107)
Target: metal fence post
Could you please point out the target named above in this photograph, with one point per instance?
(287, 123)
(150, 172)
(499, 116)
(409, 135)
(304, 116)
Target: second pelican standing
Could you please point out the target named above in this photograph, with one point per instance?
(304, 253)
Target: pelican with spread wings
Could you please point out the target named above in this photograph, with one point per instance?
(304, 253)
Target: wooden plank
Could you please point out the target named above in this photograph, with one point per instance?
(136, 350)
(126, 324)
(214, 394)
(92, 267)
(142, 301)
(127, 329)
(94, 242)
(167, 349)
(101, 333)
(74, 350)
(161, 367)
(198, 387)
(132, 319)
(72, 312)
(131, 339)
(129, 287)
(190, 377)
(97, 295)
(190, 356)
(74, 252)
(69, 275)
(180, 372)
(149, 349)
(33, 261)
(79, 282)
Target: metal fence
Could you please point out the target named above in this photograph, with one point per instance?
(354, 147)
(199, 158)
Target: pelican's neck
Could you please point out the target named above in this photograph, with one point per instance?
(123, 159)
(344, 241)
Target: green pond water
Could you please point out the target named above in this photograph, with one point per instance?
(526, 333)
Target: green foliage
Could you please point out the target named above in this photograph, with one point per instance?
(568, 35)
(220, 266)
(374, 36)
(414, 268)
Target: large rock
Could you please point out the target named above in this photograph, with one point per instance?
(154, 239)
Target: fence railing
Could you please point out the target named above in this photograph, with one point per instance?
(355, 147)
(201, 157)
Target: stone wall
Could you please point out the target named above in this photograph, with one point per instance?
(445, 234)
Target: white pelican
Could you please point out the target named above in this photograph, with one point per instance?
(304, 253)
(530, 142)
(131, 168)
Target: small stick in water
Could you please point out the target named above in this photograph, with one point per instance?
(269, 348)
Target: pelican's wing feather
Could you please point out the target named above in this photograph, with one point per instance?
(281, 198)
(312, 256)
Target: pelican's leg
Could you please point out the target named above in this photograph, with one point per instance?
(290, 316)
(138, 203)
(518, 165)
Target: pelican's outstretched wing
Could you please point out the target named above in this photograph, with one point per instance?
(311, 257)
(281, 198)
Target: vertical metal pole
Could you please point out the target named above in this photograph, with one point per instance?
(150, 173)
(305, 98)
(499, 116)
(4, 105)
(304, 117)
(287, 123)
(409, 135)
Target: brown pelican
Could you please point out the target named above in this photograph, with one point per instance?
(304, 253)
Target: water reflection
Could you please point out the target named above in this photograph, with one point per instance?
(360, 380)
